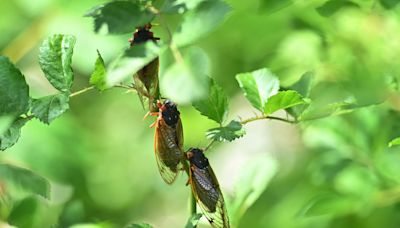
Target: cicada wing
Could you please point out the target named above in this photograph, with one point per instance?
(179, 134)
(139, 84)
(168, 154)
(209, 196)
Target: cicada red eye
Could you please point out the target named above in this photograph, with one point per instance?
(206, 189)
(146, 79)
(168, 141)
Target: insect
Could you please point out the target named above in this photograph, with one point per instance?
(168, 141)
(146, 79)
(206, 189)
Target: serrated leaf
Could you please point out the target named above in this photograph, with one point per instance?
(48, 108)
(215, 107)
(258, 86)
(120, 16)
(283, 100)
(14, 92)
(10, 136)
(252, 181)
(133, 59)
(201, 21)
(24, 179)
(193, 220)
(229, 132)
(139, 225)
(186, 81)
(98, 77)
(394, 142)
(389, 4)
(55, 58)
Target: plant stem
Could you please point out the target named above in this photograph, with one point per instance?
(267, 117)
(81, 91)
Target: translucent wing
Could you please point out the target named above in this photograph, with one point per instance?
(209, 196)
(167, 146)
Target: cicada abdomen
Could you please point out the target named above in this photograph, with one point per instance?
(168, 141)
(146, 79)
(206, 189)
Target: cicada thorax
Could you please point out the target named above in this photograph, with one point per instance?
(169, 141)
(206, 189)
(146, 79)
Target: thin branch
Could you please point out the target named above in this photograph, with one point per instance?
(267, 117)
(81, 91)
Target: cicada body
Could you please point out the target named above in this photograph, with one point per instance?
(168, 141)
(206, 189)
(146, 79)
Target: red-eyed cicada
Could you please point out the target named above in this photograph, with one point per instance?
(206, 189)
(146, 79)
(168, 141)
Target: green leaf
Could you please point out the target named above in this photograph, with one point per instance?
(14, 92)
(24, 179)
(303, 85)
(120, 16)
(179, 6)
(55, 57)
(258, 86)
(5, 123)
(193, 220)
(332, 6)
(186, 81)
(283, 100)
(394, 142)
(271, 6)
(11, 135)
(389, 4)
(215, 106)
(133, 59)
(48, 108)
(201, 21)
(229, 133)
(98, 77)
(252, 181)
(139, 225)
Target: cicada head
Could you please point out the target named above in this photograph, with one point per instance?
(170, 113)
(196, 157)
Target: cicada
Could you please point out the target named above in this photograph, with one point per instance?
(146, 79)
(168, 141)
(206, 189)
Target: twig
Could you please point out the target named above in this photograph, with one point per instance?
(81, 91)
(267, 117)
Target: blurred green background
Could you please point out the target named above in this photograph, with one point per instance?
(336, 171)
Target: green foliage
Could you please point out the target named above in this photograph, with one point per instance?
(389, 4)
(258, 86)
(283, 100)
(394, 142)
(98, 77)
(119, 16)
(14, 91)
(274, 5)
(55, 59)
(332, 6)
(251, 183)
(11, 135)
(131, 61)
(201, 21)
(215, 107)
(24, 179)
(48, 108)
(186, 80)
(229, 132)
(139, 225)
(193, 220)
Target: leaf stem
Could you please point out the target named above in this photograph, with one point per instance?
(81, 91)
(267, 117)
